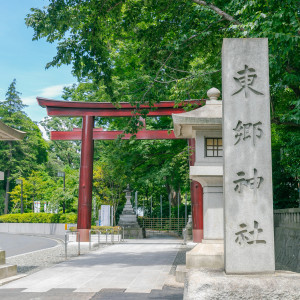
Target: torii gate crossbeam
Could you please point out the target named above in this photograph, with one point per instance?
(88, 111)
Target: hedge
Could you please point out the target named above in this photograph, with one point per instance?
(102, 229)
(39, 218)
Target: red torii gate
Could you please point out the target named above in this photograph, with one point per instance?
(88, 111)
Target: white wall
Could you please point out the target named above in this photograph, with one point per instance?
(34, 228)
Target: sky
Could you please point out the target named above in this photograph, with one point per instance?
(25, 60)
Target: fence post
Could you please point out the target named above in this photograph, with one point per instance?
(66, 246)
(185, 212)
(178, 212)
(160, 212)
(170, 211)
(78, 243)
(106, 235)
(90, 237)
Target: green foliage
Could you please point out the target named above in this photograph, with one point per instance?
(30, 218)
(39, 218)
(148, 51)
(12, 103)
(19, 158)
(69, 218)
(102, 229)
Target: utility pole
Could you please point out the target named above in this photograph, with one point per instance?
(160, 211)
(63, 175)
(185, 215)
(20, 181)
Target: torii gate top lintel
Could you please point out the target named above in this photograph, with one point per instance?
(108, 109)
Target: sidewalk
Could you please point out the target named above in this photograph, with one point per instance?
(130, 270)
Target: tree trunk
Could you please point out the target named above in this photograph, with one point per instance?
(6, 193)
(7, 181)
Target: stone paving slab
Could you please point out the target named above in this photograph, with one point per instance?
(136, 266)
(172, 293)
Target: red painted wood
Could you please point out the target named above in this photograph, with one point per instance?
(107, 109)
(104, 105)
(106, 112)
(197, 200)
(90, 109)
(86, 174)
(99, 134)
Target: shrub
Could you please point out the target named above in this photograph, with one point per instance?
(39, 218)
(102, 229)
(70, 218)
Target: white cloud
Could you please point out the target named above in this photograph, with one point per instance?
(29, 100)
(47, 92)
(52, 91)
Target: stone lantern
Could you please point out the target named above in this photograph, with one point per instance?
(205, 126)
(128, 219)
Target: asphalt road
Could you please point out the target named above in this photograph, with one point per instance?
(15, 244)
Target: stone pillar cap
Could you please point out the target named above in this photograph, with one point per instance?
(213, 95)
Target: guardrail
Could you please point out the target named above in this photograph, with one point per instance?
(67, 233)
(109, 237)
(90, 237)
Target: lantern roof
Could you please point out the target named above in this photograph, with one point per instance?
(10, 134)
(208, 117)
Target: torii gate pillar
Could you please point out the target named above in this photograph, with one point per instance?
(86, 179)
(197, 200)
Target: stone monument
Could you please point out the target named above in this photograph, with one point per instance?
(128, 219)
(249, 231)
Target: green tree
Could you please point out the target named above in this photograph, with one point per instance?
(148, 51)
(12, 103)
(19, 158)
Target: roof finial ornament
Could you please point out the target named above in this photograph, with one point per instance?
(213, 94)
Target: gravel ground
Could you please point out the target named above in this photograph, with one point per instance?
(29, 263)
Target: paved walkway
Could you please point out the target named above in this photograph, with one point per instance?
(131, 268)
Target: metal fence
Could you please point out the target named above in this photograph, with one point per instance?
(289, 217)
(155, 226)
(98, 237)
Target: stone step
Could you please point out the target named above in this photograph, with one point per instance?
(181, 272)
(7, 270)
(209, 256)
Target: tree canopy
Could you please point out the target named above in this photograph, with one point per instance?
(146, 51)
(150, 50)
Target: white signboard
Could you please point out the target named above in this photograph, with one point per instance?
(1, 175)
(37, 206)
(105, 215)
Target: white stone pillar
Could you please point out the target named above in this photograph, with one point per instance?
(249, 232)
